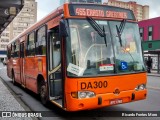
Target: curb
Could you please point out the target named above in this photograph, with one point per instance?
(154, 75)
(155, 88)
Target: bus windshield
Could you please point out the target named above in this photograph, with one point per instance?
(88, 55)
(128, 57)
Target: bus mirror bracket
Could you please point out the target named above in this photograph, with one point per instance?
(63, 28)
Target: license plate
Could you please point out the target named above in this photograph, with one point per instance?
(115, 101)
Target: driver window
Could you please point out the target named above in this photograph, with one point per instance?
(88, 46)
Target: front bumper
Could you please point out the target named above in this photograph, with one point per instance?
(103, 100)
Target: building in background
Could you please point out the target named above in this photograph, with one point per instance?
(26, 18)
(141, 12)
(150, 35)
(150, 29)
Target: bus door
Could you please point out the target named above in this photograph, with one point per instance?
(54, 65)
(22, 79)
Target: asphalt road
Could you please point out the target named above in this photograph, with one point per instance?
(152, 103)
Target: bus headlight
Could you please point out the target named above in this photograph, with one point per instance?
(82, 95)
(140, 87)
(85, 94)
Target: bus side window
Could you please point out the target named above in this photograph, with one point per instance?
(31, 44)
(9, 52)
(12, 49)
(41, 41)
(16, 53)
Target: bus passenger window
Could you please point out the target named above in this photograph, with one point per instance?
(12, 49)
(9, 52)
(16, 53)
(31, 45)
(41, 41)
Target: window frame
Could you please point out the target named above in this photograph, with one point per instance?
(12, 49)
(37, 45)
(149, 33)
(142, 37)
(9, 51)
(27, 44)
(16, 48)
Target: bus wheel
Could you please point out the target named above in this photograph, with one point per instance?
(13, 79)
(43, 94)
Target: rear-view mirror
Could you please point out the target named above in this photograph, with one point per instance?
(63, 28)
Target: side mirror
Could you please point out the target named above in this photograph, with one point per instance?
(58, 45)
(63, 28)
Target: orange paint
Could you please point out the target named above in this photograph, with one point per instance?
(125, 83)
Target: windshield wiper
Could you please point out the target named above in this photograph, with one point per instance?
(97, 27)
(120, 30)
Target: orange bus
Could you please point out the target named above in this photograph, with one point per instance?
(81, 56)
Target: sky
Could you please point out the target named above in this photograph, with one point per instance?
(46, 6)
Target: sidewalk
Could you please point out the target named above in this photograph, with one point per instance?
(7, 100)
(154, 73)
(9, 103)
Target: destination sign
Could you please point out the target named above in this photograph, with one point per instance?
(100, 11)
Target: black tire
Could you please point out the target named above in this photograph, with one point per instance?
(43, 94)
(13, 79)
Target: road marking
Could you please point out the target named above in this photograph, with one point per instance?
(151, 87)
